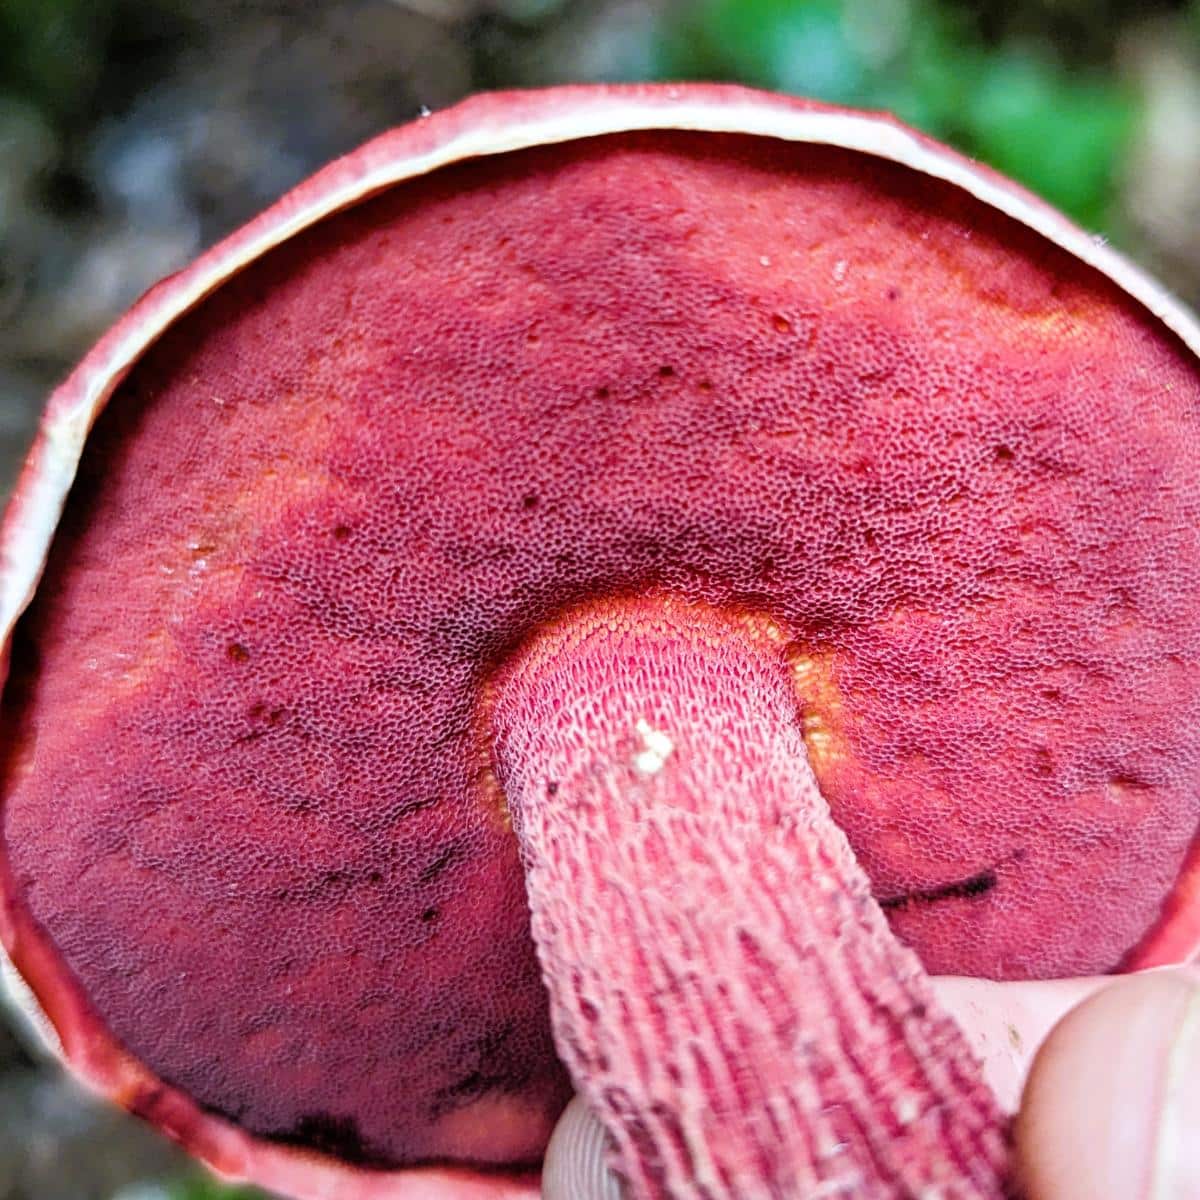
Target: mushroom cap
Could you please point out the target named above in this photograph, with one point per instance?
(297, 506)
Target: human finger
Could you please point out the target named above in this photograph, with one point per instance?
(1111, 1109)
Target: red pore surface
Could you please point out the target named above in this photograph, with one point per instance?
(248, 806)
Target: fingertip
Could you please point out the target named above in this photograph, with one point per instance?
(1109, 1107)
(575, 1166)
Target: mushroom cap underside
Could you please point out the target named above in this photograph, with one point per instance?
(255, 864)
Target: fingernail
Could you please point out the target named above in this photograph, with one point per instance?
(575, 1166)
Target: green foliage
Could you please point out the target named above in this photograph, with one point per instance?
(204, 1187)
(1061, 136)
(771, 43)
(1060, 131)
(50, 52)
(65, 56)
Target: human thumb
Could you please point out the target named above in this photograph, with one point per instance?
(1111, 1108)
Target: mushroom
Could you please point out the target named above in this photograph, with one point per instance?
(604, 589)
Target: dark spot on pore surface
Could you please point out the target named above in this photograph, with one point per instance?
(963, 889)
(1003, 454)
(490, 1068)
(341, 532)
(337, 1136)
(237, 653)
(429, 873)
(469, 1085)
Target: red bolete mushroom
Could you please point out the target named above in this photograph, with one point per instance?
(604, 587)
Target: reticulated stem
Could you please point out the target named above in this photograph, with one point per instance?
(725, 991)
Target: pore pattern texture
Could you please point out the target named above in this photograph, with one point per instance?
(248, 798)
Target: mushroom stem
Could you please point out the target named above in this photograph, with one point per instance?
(725, 991)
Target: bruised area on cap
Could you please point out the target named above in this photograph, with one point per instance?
(246, 801)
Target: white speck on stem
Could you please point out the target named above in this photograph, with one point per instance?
(843, 1187)
(839, 270)
(657, 747)
(907, 1109)
(828, 1146)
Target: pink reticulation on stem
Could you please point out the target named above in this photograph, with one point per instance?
(725, 990)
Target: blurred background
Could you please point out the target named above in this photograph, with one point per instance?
(134, 133)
